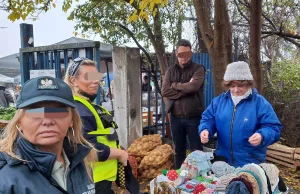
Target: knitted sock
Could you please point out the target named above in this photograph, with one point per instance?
(220, 168)
(247, 184)
(281, 185)
(269, 184)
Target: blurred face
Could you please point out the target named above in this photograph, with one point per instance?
(183, 54)
(145, 81)
(48, 128)
(238, 89)
(87, 80)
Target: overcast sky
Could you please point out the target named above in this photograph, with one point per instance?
(51, 27)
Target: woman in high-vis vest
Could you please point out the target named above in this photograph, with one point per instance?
(98, 125)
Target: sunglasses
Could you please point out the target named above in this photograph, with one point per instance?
(76, 64)
(47, 112)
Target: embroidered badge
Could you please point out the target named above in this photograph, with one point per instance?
(47, 84)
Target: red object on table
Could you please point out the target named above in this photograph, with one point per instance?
(172, 175)
(199, 188)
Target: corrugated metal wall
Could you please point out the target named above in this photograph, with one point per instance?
(204, 59)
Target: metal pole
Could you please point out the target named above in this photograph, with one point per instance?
(27, 40)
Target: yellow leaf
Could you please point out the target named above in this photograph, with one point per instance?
(133, 18)
(83, 35)
(143, 4)
(75, 33)
(54, 5)
(71, 16)
(12, 17)
(146, 17)
(23, 16)
(131, 2)
(154, 12)
(151, 6)
(292, 31)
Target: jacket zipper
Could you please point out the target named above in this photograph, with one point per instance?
(231, 129)
(54, 183)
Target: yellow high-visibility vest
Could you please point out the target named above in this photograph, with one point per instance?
(101, 170)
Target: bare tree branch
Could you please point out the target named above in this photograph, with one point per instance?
(292, 41)
(266, 36)
(240, 11)
(145, 52)
(270, 21)
(282, 34)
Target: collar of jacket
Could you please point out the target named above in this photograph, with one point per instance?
(254, 90)
(43, 161)
(184, 67)
(91, 98)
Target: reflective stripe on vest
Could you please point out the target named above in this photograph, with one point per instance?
(102, 170)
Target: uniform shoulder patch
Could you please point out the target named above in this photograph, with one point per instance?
(47, 84)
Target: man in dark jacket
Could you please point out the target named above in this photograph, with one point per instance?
(5, 97)
(183, 91)
(146, 85)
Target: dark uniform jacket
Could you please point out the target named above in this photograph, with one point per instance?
(34, 175)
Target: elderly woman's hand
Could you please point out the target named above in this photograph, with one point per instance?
(204, 136)
(255, 139)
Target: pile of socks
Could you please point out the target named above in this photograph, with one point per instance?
(221, 168)
(224, 181)
(257, 179)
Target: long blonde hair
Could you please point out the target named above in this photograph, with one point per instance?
(10, 135)
(67, 79)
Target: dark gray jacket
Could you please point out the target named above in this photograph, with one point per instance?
(184, 98)
(5, 97)
(34, 176)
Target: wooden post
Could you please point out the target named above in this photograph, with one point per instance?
(127, 94)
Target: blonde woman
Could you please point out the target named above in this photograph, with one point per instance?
(42, 149)
(98, 125)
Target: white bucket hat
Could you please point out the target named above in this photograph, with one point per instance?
(238, 71)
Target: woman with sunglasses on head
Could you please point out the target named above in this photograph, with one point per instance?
(98, 125)
(244, 120)
(42, 149)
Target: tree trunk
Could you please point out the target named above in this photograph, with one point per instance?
(227, 35)
(217, 40)
(157, 41)
(201, 45)
(255, 42)
(219, 45)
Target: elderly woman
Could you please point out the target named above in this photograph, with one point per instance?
(244, 121)
(42, 149)
(98, 125)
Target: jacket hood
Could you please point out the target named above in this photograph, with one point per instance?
(43, 161)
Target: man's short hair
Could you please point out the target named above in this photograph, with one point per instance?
(146, 77)
(183, 42)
